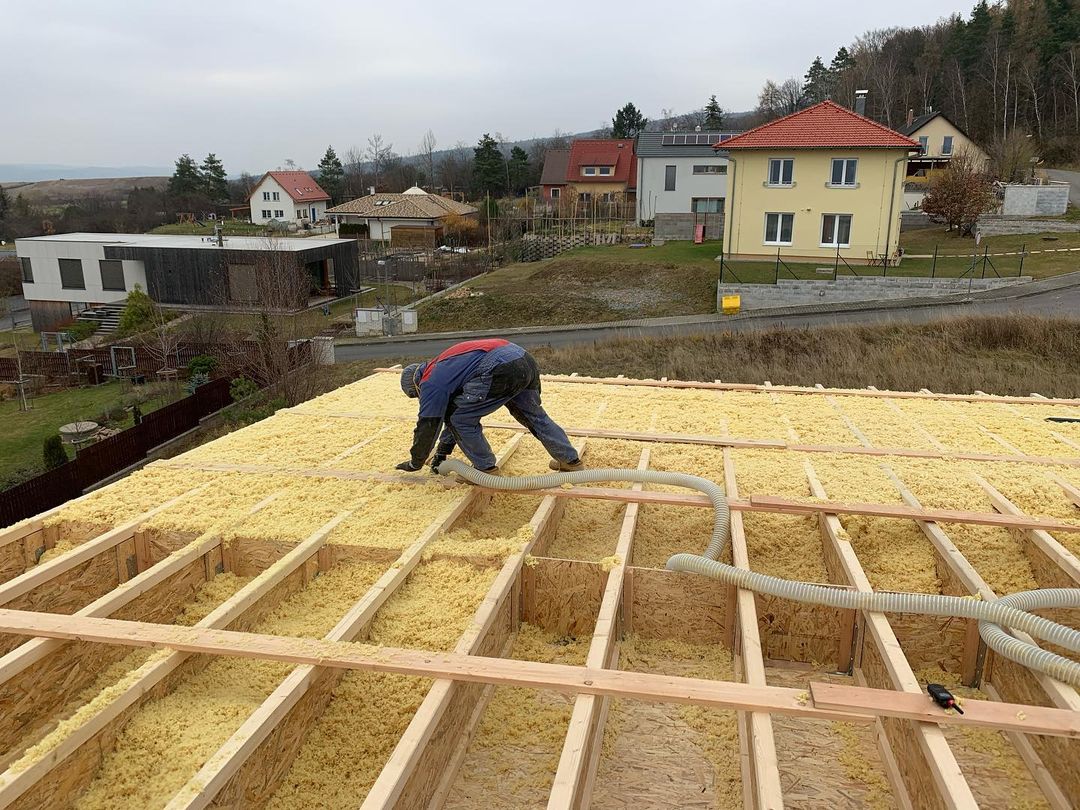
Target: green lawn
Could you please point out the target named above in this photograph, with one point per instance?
(25, 431)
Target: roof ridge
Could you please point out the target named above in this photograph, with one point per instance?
(827, 104)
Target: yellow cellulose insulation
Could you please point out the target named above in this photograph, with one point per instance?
(116, 678)
(588, 529)
(815, 419)
(665, 755)
(995, 553)
(991, 765)
(347, 745)
(513, 757)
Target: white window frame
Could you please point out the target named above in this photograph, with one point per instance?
(851, 164)
(555, 193)
(951, 141)
(791, 175)
(709, 168)
(279, 214)
(267, 213)
(779, 228)
(604, 171)
(277, 196)
(607, 197)
(924, 144)
(266, 196)
(693, 200)
(585, 197)
(834, 244)
(588, 171)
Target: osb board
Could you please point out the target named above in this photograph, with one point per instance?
(547, 532)
(333, 553)
(1047, 572)
(154, 545)
(13, 560)
(1061, 757)
(74, 774)
(249, 557)
(930, 641)
(793, 631)
(260, 776)
(825, 764)
(902, 736)
(677, 605)
(67, 592)
(452, 726)
(30, 699)
(562, 596)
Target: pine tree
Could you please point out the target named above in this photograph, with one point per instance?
(519, 170)
(331, 174)
(5, 204)
(628, 122)
(489, 172)
(215, 183)
(186, 178)
(842, 61)
(714, 116)
(818, 82)
(53, 453)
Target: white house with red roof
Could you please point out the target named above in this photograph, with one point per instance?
(822, 184)
(288, 197)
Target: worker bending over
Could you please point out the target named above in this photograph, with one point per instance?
(467, 382)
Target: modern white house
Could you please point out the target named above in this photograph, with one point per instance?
(414, 210)
(682, 182)
(67, 273)
(288, 197)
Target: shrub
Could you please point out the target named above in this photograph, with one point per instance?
(202, 364)
(347, 229)
(195, 380)
(81, 330)
(53, 452)
(242, 388)
(138, 312)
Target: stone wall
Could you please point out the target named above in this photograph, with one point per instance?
(790, 292)
(681, 226)
(1006, 226)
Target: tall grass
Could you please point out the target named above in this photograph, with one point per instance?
(1003, 355)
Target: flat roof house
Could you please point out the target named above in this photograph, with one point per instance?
(67, 273)
(288, 197)
(822, 183)
(414, 211)
(682, 182)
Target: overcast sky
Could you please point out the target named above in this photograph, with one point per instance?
(121, 83)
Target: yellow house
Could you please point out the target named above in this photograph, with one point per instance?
(814, 184)
(939, 139)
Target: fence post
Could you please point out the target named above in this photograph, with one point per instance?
(933, 267)
(776, 269)
(836, 262)
(985, 250)
(1023, 253)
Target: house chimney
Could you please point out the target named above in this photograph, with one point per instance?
(860, 101)
(910, 117)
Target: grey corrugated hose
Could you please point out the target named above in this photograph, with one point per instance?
(1009, 611)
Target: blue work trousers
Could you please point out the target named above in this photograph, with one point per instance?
(508, 376)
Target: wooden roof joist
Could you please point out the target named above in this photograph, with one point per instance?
(852, 704)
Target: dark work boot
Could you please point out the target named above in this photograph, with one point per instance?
(566, 466)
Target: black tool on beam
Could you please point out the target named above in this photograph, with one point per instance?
(943, 697)
(1066, 419)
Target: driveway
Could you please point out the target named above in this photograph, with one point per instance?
(1070, 177)
(1064, 303)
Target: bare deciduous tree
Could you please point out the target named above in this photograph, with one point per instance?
(378, 154)
(961, 193)
(427, 149)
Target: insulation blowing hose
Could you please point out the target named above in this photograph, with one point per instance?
(1011, 611)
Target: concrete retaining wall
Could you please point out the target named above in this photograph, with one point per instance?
(789, 292)
(1005, 226)
(681, 226)
(1035, 201)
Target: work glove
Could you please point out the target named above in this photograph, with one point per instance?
(407, 466)
(436, 460)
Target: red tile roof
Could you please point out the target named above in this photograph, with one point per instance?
(618, 153)
(822, 126)
(298, 185)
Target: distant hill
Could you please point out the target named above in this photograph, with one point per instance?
(32, 172)
(66, 191)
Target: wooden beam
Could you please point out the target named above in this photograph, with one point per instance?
(859, 705)
(201, 790)
(396, 785)
(577, 762)
(947, 787)
(764, 764)
(1071, 492)
(21, 776)
(28, 580)
(791, 389)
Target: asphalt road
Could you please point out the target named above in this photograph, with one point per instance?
(1072, 178)
(1060, 303)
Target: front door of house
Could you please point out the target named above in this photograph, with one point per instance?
(313, 213)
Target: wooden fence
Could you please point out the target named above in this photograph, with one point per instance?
(108, 456)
